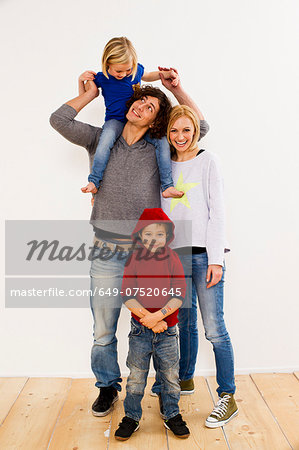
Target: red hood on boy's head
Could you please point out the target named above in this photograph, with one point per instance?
(153, 215)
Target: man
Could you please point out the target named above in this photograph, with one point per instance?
(130, 184)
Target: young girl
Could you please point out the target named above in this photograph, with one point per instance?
(121, 75)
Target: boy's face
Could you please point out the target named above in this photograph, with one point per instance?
(154, 236)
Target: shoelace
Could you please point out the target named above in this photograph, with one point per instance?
(221, 407)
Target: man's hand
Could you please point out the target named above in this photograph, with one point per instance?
(214, 275)
(150, 320)
(160, 327)
(170, 79)
(87, 75)
(92, 89)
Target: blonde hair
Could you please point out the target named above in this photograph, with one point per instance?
(184, 111)
(119, 50)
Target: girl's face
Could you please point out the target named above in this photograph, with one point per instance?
(119, 71)
(181, 133)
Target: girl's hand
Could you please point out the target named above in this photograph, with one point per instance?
(150, 320)
(88, 75)
(160, 327)
(214, 275)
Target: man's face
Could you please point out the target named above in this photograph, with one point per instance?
(143, 112)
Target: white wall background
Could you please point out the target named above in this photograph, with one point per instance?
(239, 60)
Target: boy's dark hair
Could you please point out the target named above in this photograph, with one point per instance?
(159, 127)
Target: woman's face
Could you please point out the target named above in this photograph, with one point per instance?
(181, 133)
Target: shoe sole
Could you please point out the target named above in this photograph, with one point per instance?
(220, 424)
(153, 394)
(182, 436)
(119, 438)
(105, 413)
(187, 392)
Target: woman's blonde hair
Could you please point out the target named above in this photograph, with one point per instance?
(119, 50)
(181, 111)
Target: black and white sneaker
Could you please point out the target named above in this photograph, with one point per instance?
(178, 426)
(104, 403)
(126, 428)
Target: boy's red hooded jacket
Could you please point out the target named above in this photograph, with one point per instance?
(154, 278)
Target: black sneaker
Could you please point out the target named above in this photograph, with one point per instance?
(104, 403)
(126, 428)
(178, 426)
(161, 407)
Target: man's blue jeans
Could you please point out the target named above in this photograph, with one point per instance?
(143, 343)
(105, 308)
(211, 307)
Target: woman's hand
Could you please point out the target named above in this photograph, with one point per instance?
(214, 275)
(160, 327)
(150, 320)
(88, 75)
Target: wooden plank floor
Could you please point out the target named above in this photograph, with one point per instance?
(281, 394)
(55, 414)
(254, 427)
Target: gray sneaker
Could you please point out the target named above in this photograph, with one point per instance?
(225, 410)
(187, 386)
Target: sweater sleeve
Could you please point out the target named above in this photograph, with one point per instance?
(79, 133)
(216, 222)
(204, 128)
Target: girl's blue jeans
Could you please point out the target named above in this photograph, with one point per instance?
(111, 131)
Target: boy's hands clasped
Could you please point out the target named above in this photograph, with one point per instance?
(153, 322)
(160, 327)
(150, 320)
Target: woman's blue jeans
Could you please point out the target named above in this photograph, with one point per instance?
(210, 303)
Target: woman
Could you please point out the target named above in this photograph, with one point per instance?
(196, 172)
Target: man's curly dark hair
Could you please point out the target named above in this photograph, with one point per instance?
(158, 130)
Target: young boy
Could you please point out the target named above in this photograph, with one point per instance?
(153, 289)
